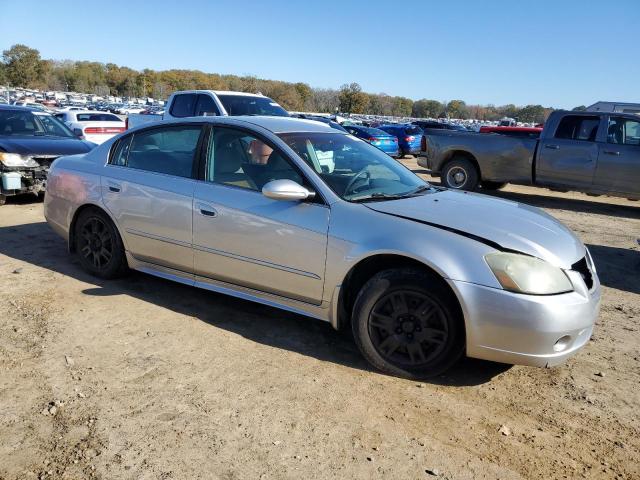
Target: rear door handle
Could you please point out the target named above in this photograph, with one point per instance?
(552, 147)
(611, 152)
(113, 187)
(206, 210)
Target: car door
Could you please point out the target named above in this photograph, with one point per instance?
(242, 237)
(569, 158)
(619, 158)
(148, 187)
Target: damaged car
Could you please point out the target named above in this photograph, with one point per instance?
(243, 206)
(30, 141)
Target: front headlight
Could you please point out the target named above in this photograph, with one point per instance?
(16, 160)
(523, 274)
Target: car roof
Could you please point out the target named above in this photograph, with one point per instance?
(271, 123)
(223, 92)
(18, 108)
(286, 124)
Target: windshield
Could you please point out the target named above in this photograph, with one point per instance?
(353, 169)
(249, 105)
(18, 122)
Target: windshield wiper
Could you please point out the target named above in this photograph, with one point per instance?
(420, 189)
(380, 196)
(377, 196)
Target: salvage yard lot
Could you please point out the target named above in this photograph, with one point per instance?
(143, 378)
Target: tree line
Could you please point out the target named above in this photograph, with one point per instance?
(22, 66)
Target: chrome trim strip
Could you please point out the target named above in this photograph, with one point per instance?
(158, 237)
(319, 312)
(202, 248)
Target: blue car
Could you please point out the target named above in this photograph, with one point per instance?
(376, 137)
(409, 138)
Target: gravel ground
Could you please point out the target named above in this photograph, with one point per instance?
(142, 378)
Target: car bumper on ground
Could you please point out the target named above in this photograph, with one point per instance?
(535, 330)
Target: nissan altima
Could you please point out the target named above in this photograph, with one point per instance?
(297, 215)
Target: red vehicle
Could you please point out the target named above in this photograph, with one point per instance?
(530, 132)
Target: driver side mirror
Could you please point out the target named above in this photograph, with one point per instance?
(286, 190)
(78, 132)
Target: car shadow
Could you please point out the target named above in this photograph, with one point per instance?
(37, 244)
(617, 268)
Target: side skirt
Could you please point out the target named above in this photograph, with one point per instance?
(320, 312)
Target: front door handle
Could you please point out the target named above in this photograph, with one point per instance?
(552, 147)
(611, 152)
(206, 210)
(113, 187)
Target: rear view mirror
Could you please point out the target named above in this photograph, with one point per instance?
(286, 190)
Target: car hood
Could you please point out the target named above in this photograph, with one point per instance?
(44, 145)
(500, 223)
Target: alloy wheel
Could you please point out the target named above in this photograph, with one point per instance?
(408, 328)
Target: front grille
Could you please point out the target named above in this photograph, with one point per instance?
(582, 267)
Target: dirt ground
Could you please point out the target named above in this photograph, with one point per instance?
(142, 378)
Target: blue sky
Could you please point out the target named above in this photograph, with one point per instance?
(558, 53)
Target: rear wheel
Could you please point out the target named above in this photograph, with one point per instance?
(460, 173)
(99, 246)
(486, 185)
(406, 323)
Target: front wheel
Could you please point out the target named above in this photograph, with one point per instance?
(406, 323)
(460, 173)
(99, 246)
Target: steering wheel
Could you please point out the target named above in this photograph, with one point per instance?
(352, 182)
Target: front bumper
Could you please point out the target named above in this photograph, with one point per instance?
(32, 180)
(536, 330)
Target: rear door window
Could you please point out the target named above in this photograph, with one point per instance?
(184, 105)
(623, 131)
(167, 150)
(578, 127)
(206, 107)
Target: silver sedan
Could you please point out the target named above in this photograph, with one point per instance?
(294, 214)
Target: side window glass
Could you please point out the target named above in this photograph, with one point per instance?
(121, 151)
(206, 107)
(165, 150)
(623, 131)
(183, 105)
(578, 127)
(242, 160)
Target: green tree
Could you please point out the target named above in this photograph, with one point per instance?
(531, 113)
(426, 108)
(457, 109)
(580, 108)
(352, 99)
(23, 66)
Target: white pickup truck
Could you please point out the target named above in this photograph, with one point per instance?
(198, 103)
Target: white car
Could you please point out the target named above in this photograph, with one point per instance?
(96, 127)
(128, 109)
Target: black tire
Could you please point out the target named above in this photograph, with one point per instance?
(461, 174)
(3, 199)
(401, 154)
(407, 323)
(98, 245)
(487, 185)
